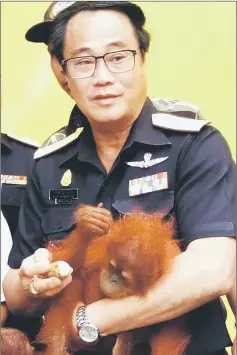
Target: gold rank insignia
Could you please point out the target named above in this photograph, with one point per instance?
(67, 178)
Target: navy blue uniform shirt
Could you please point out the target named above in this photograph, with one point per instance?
(195, 179)
(16, 164)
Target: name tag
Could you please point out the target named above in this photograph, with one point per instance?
(63, 196)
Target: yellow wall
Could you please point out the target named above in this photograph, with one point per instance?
(192, 57)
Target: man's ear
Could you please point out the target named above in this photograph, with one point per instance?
(60, 74)
(143, 56)
(66, 87)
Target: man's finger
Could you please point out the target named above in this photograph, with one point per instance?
(43, 285)
(29, 268)
(40, 255)
(58, 289)
(66, 281)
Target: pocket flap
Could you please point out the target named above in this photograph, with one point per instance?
(58, 222)
(161, 201)
(12, 195)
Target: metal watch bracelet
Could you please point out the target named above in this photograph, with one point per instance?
(90, 334)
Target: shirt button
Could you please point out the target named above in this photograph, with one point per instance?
(60, 225)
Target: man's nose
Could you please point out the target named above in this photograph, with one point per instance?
(102, 74)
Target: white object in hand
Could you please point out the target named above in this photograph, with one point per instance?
(59, 269)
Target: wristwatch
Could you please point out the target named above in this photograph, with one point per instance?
(87, 331)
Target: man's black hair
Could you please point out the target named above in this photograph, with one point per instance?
(134, 13)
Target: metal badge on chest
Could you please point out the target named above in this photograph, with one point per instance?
(64, 196)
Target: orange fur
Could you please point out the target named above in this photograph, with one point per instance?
(142, 243)
(57, 321)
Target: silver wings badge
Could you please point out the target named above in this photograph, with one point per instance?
(147, 162)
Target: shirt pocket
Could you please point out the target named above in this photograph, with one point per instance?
(57, 223)
(12, 195)
(161, 202)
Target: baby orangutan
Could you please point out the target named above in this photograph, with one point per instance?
(129, 260)
(136, 252)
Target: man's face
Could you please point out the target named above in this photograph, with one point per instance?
(105, 96)
(59, 74)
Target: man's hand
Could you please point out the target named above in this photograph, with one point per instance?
(32, 275)
(94, 221)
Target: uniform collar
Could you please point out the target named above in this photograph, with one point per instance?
(81, 149)
(77, 119)
(142, 132)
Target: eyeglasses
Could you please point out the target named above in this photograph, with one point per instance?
(85, 67)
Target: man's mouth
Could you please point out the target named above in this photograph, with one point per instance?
(104, 97)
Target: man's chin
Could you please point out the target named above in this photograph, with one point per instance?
(108, 115)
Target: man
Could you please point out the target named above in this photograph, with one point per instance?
(39, 33)
(127, 140)
(16, 163)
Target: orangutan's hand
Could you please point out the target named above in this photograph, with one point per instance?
(94, 221)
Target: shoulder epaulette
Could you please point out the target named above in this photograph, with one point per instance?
(44, 151)
(24, 140)
(177, 115)
(177, 123)
(175, 106)
(55, 137)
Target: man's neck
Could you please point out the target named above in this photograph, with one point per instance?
(111, 139)
(109, 143)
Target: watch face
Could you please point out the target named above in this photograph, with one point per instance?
(88, 333)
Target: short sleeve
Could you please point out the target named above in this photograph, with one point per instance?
(29, 235)
(205, 191)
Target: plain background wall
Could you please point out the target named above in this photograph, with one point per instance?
(192, 58)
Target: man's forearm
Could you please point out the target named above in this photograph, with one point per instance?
(231, 296)
(19, 300)
(187, 287)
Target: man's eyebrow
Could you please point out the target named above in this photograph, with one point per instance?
(79, 51)
(117, 44)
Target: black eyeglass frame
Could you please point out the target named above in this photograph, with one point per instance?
(65, 61)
